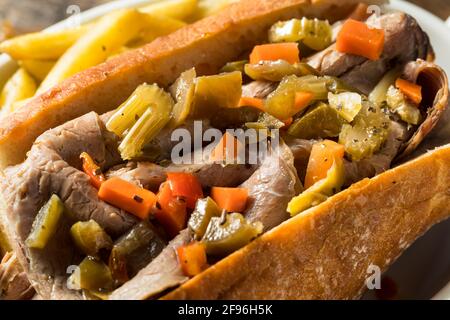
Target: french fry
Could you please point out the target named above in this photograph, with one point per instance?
(39, 69)
(20, 87)
(209, 7)
(42, 45)
(157, 26)
(108, 35)
(176, 9)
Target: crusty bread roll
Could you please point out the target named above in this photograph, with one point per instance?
(325, 252)
(206, 45)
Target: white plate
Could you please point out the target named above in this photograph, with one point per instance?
(424, 269)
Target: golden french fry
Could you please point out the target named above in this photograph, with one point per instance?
(177, 9)
(105, 37)
(209, 7)
(20, 87)
(42, 45)
(39, 69)
(157, 26)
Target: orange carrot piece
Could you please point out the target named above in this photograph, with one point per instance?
(276, 51)
(321, 160)
(127, 196)
(357, 38)
(251, 102)
(302, 100)
(228, 149)
(94, 172)
(171, 212)
(230, 199)
(409, 89)
(185, 185)
(192, 258)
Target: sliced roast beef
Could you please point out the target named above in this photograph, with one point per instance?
(14, 284)
(404, 41)
(435, 93)
(161, 274)
(150, 175)
(258, 89)
(271, 188)
(28, 186)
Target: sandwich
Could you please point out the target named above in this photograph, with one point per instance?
(271, 151)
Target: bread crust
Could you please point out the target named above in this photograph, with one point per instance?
(325, 252)
(206, 45)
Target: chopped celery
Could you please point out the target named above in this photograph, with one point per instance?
(234, 66)
(131, 110)
(314, 33)
(276, 70)
(149, 124)
(183, 91)
(379, 94)
(367, 133)
(218, 91)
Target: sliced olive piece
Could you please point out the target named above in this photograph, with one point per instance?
(321, 121)
(134, 250)
(93, 275)
(276, 70)
(234, 66)
(46, 223)
(398, 103)
(229, 233)
(183, 92)
(366, 134)
(314, 33)
(90, 238)
(205, 209)
(218, 91)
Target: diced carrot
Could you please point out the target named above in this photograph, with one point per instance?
(185, 185)
(92, 170)
(127, 196)
(230, 199)
(251, 102)
(302, 100)
(409, 89)
(192, 258)
(277, 51)
(228, 148)
(357, 38)
(323, 155)
(170, 211)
